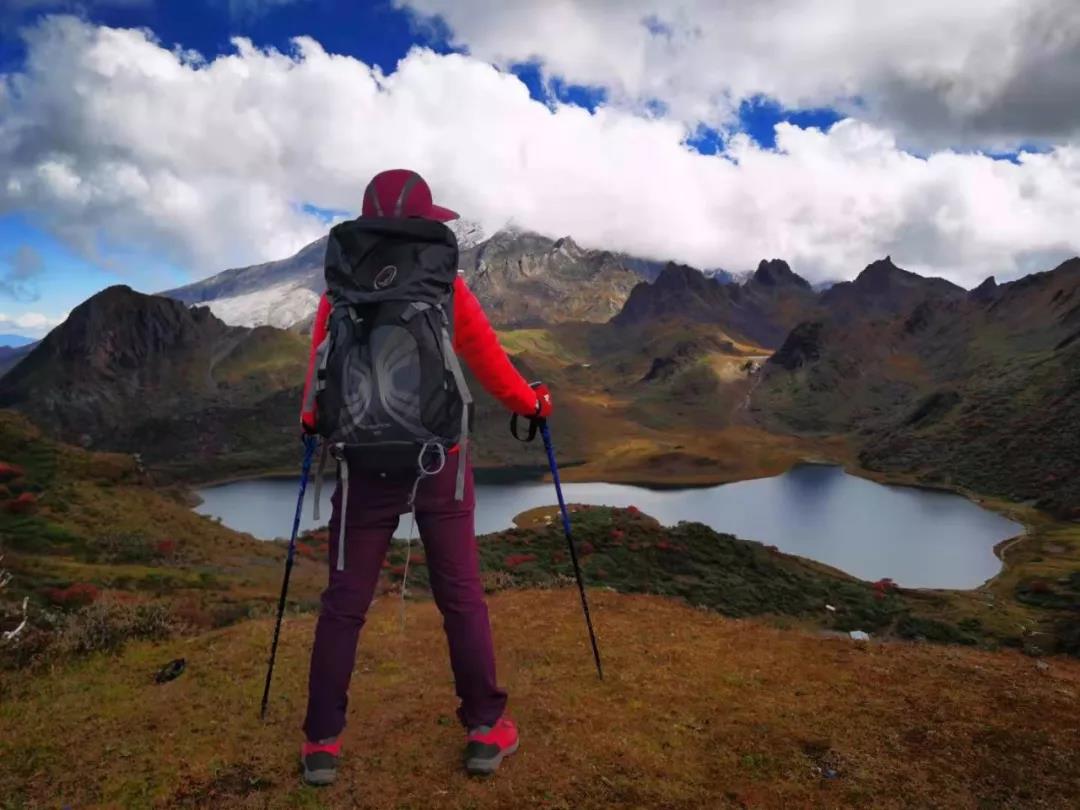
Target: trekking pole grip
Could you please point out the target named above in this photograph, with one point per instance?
(536, 423)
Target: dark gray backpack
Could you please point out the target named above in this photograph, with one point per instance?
(389, 389)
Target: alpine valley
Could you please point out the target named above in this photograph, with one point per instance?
(663, 374)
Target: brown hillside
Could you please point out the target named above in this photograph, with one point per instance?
(696, 711)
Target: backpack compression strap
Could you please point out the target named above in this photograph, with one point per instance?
(454, 366)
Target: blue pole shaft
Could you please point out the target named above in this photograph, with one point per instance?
(305, 470)
(549, 447)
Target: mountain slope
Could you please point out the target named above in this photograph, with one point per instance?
(978, 389)
(276, 293)
(9, 357)
(695, 711)
(524, 279)
(761, 311)
(146, 374)
(280, 293)
(15, 341)
(884, 289)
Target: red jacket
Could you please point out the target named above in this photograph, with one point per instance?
(474, 341)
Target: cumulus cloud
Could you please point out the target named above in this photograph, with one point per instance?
(19, 272)
(982, 73)
(31, 324)
(107, 133)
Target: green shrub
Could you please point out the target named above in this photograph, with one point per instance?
(1068, 636)
(227, 614)
(122, 548)
(108, 626)
(918, 627)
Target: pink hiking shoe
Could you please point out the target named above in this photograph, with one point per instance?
(488, 745)
(320, 761)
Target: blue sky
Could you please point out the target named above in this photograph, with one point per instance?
(888, 142)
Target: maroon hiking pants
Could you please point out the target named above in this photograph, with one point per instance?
(374, 507)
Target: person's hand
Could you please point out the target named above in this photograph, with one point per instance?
(544, 405)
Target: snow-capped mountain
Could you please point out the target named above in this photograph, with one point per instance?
(283, 293)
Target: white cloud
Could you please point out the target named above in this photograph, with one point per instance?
(107, 132)
(19, 272)
(31, 324)
(987, 73)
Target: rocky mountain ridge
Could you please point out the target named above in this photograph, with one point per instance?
(976, 388)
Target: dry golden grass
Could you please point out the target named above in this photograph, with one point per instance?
(696, 711)
(734, 453)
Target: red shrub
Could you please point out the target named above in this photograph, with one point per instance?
(9, 472)
(586, 548)
(1040, 586)
(166, 547)
(417, 559)
(398, 570)
(22, 505)
(304, 550)
(617, 534)
(514, 560)
(633, 510)
(75, 595)
(558, 557)
(663, 544)
(885, 585)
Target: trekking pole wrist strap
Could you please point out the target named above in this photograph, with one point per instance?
(534, 427)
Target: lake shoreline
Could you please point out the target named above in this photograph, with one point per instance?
(492, 475)
(825, 516)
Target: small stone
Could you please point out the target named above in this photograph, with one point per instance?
(1042, 666)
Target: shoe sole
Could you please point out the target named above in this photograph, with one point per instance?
(486, 767)
(320, 778)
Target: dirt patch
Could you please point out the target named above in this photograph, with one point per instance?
(233, 782)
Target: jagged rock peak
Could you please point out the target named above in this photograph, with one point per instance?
(777, 273)
(987, 290)
(681, 276)
(881, 267)
(128, 323)
(468, 233)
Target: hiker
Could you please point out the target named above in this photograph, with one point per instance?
(375, 485)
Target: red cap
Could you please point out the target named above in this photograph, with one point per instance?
(402, 193)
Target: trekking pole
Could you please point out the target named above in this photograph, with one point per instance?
(542, 425)
(309, 451)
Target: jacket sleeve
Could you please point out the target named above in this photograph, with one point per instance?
(477, 344)
(318, 335)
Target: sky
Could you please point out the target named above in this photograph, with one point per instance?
(156, 142)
